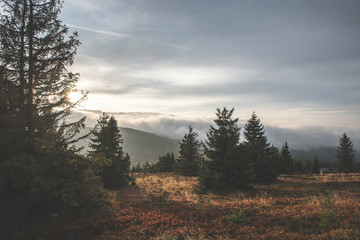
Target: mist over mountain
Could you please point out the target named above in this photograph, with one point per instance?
(149, 135)
(141, 146)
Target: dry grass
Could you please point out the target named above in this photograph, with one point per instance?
(168, 206)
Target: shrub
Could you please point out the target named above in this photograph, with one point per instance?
(328, 219)
(237, 216)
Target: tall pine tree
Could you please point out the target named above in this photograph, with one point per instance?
(106, 141)
(39, 170)
(226, 167)
(258, 151)
(345, 154)
(190, 156)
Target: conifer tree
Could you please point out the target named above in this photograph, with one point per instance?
(106, 141)
(166, 163)
(315, 169)
(226, 167)
(190, 156)
(298, 166)
(345, 154)
(287, 161)
(308, 166)
(39, 168)
(258, 150)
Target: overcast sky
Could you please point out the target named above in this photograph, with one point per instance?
(295, 63)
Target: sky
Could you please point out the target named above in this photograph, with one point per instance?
(295, 63)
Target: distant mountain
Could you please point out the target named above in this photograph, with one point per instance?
(144, 146)
(141, 146)
(325, 154)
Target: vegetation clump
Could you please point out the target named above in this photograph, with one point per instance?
(190, 158)
(40, 170)
(106, 143)
(237, 216)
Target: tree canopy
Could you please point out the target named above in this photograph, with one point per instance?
(345, 154)
(39, 168)
(259, 151)
(190, 155)
(106, 142)
(225, 167)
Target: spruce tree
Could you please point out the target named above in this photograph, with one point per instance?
(345, 154)
(166, 163)
(40, 171)
(287, 160)
(298, 166)
(190, 156)
(226, 167)
(258, 150)
(315, 169)
(106, 140)
(308, 166)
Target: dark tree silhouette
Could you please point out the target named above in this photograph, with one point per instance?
(345, 154)
(40, 171)
(106, 140)
(287, 160)
(166, 163)
(190, 155)
(226, 166)
(258, 150)
(315, 169)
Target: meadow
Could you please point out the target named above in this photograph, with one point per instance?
(168, 206)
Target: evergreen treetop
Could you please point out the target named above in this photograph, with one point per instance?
(106, 140)
(255, 134)
(345, 154)
(287, 160)
(226, 166)
(259, 151)
(190, 156)
(225, 137)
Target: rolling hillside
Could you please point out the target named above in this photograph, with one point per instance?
(144, 146)
(141, 146)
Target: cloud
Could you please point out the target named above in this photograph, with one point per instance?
(274, 57)
(175, 127)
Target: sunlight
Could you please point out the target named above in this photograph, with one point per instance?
(75, 96)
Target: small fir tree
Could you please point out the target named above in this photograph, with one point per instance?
(287, 160)
(226, 166)
(308, 166)
(258, 150)
(345, 154)
(106, 141)
(299, 168)
(189, 154)
(166, 163)
(315, 169)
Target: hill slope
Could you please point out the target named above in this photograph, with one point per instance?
(144, 146)
(141, 146)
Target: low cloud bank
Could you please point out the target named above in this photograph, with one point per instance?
(175, 127)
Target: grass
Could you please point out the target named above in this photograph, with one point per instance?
(168, 206)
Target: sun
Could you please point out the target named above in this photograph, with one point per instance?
(75, 95)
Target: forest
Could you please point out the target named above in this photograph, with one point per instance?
(220, 188)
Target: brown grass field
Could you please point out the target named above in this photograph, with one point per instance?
(168, 206)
